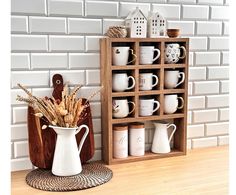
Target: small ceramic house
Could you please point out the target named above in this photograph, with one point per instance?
(136, 24)
(156, 25)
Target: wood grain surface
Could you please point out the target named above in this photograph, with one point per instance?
(200, 172)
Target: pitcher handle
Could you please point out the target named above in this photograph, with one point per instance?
(174, 129)
(133, 82)
(134, 58)
(158, 54)
(182, 75)
(84, 136)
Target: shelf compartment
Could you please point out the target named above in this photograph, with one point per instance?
(146, 99)
(118, 51)
(148, 156)
(178, 111)
(181, 44)
(122, 78)
(116, 107)
(146, 76)
(178, 74)
(155, 45)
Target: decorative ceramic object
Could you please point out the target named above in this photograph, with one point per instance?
(146, 81)
(173, 33)
(173, 78)
(120, 56)
(172, 53)
(137, 139)
(120, 108)
(171, 103)
(136, 24)
(66, 160)
(147, 54)
(146, 106)
(156, 25)
(116, 32)
(161, 142)
(120, 82)
(120, 141)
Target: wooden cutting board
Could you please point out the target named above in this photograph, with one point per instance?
(42, 142)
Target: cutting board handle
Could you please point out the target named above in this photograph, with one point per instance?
(57, 81)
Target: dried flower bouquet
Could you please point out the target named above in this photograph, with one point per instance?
(64, 113)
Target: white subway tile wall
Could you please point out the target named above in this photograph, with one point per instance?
(62, 36)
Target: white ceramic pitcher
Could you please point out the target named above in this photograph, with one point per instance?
(161, 142)
(66, 160)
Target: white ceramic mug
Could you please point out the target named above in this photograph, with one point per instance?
(146, 106)
(172, 53)
(120, 108)
(172, 78)
(120, 82)
(120, 55)
(146, 81)
(147, 54)
(171, 103)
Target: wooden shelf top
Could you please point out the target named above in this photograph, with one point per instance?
(166, 39)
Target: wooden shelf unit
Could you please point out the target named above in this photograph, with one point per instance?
(179, 118)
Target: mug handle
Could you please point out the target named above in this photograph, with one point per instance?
(174, 129)
(158, 106)
(134, 58)
(133, 81)
(182, 103)
(158, 54)
(133, 107)
(184, 52)
(84, 136)
(154, 76)
(181, 74)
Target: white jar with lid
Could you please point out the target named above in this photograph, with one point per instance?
(137, 139)
(120, 141)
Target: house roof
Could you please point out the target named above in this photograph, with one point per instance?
(155, 15)
(132, 14)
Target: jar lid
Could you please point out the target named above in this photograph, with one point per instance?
(120, 127)
(137, 125)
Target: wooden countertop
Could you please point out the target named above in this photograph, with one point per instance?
(202, 171)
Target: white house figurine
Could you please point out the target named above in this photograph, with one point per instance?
(156, 25)
(136, 24)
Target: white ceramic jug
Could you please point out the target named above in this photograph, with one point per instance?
(66, 160)
(161, 142)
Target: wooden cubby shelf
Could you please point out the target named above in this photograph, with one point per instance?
(179, 118)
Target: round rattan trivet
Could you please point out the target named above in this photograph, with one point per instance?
(92, 175)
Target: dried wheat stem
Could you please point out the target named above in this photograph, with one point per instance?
(92, 95)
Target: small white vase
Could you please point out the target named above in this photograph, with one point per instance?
(66, 160)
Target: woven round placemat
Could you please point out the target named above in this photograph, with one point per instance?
(93, 174)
